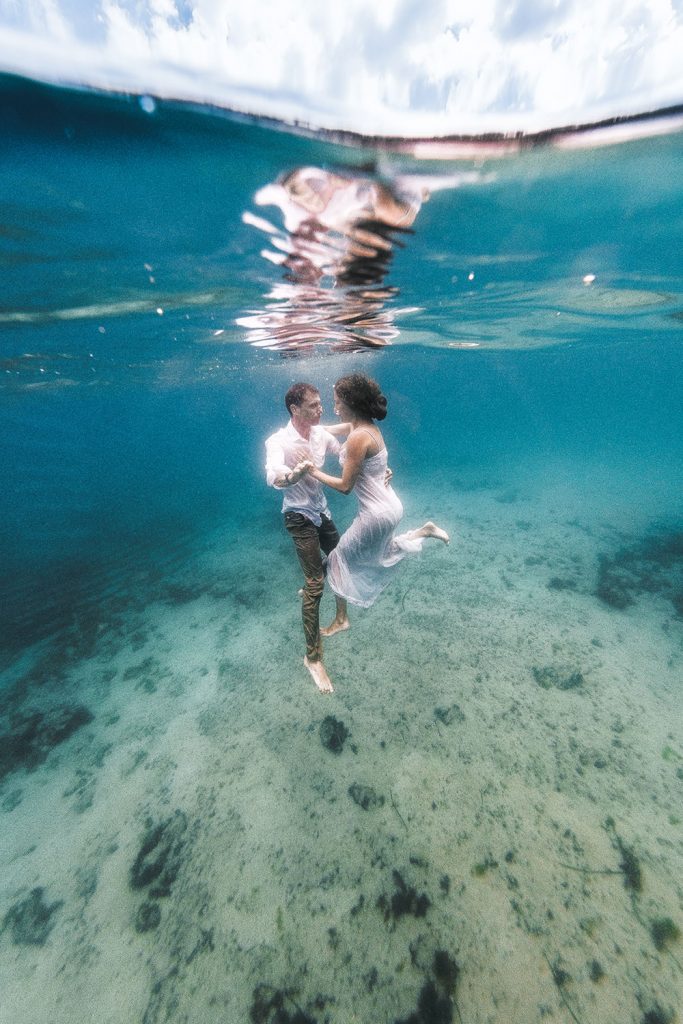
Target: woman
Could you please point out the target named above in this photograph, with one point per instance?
(361, 564)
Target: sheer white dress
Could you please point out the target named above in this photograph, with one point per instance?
(364, 560)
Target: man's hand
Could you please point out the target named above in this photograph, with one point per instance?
(388, 474)
(300, 470)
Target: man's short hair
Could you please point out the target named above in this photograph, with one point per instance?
(297, 393)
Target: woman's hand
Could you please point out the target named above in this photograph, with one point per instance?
(304, 467)
(293, 475)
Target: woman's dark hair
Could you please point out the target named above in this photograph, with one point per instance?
(363, 395)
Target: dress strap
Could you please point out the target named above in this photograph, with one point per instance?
(368, 431)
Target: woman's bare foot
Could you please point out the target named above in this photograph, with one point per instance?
(432, 530)
(336, 626)
(320, 676)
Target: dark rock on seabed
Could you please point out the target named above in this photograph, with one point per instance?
(454, 713)
(276, 1006)
(333, 734)
(653, 565)
(33, 736)
(664, 931)
(551, 677)
(436, 999)
(656, 1015)
(160, 856)
(404, 900)
(148, 917)
(432, 1007)
(365, 796)
(30, 921)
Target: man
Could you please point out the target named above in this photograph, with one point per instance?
(307, 516)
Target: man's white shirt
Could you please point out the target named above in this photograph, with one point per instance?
(284, 449)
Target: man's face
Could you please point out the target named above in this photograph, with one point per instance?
(309, 411)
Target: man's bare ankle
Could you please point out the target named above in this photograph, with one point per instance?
(319, 674)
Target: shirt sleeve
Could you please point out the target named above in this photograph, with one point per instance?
(332, 445)
(275, 460)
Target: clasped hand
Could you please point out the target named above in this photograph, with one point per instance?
(306, 466)
(301, 468)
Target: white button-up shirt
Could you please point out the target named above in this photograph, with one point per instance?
(287, 447)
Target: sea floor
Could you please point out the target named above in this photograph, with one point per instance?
(484, 823)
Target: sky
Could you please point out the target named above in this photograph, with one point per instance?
(386, 67)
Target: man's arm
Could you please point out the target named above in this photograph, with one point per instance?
(276, 464)
(291, 476)
(278, 473)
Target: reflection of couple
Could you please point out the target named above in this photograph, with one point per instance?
(338, 240)
(360, 564)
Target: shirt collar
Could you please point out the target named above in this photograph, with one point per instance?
(294, 435)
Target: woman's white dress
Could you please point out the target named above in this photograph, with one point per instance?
(365, 558)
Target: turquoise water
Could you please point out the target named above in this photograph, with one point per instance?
(177, 842)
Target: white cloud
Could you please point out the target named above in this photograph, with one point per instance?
(379, 66)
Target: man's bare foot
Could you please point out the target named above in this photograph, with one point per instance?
(432, 530)
(336, 626)
(320, 676)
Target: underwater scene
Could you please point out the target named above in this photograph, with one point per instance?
(483, 823)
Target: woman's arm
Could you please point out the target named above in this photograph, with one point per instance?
(338, 429)
(356, 448)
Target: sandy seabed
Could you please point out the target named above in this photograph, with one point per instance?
(484, 823)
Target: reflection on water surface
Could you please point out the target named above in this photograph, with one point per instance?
(335, 250)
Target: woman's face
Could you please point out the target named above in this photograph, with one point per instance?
(340, 409)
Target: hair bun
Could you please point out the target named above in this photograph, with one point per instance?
(362, 394)
(379, 407)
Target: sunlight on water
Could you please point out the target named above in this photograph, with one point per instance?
(482, 823)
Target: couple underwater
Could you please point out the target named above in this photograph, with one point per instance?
(360, 563)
